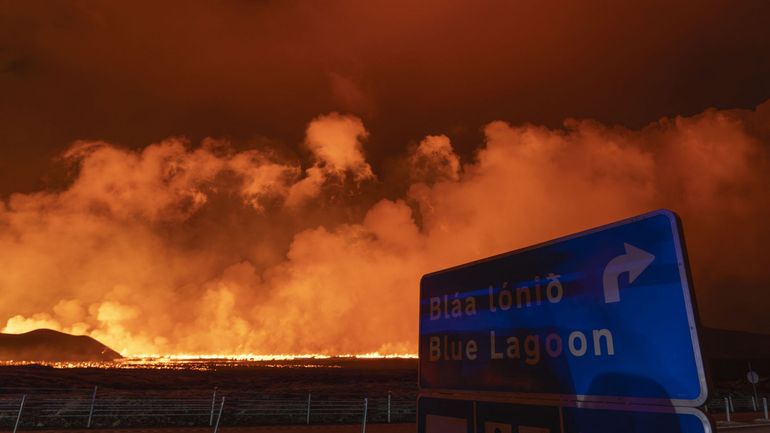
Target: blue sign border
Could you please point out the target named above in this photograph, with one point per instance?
(689, 301)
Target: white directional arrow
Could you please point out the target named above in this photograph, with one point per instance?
(634, 261)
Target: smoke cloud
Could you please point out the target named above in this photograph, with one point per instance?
(183, 247)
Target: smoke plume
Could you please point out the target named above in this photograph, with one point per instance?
(184, 247)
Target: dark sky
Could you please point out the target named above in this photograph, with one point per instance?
(136, 72)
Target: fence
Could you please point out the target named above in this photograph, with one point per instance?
(40, 408)
(731, 404)
(90, 408)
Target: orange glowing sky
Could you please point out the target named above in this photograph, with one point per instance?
(274, 177)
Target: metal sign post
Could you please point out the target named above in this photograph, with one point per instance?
(219, 417)
(18, 416)
(389, 402)
(91, 410)
(753, 378)
(213, 403)
(366, 409)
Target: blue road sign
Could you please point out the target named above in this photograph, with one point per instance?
(441, 415)
(606, 314)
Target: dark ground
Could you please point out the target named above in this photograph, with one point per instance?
(179, 395)
(330, 376)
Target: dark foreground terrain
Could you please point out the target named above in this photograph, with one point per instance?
(196, 394)
(327, 376)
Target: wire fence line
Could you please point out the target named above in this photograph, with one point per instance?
(40, 408)
(730, 403)
(91, 408)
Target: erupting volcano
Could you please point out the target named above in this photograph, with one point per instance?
(202, 180)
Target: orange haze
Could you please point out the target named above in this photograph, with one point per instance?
(183, 247)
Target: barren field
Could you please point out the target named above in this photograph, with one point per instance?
(190, 396)
(332, 376)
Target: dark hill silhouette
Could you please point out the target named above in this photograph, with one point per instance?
(52, 346)
(728, 354)
(728, 344)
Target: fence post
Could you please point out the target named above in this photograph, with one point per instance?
(366, 408)
(764, 407)
(727, 409)
(389, 395)
(213, 402)
(18, 417)
(219, 417)
(91, 411)
(308, 408)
